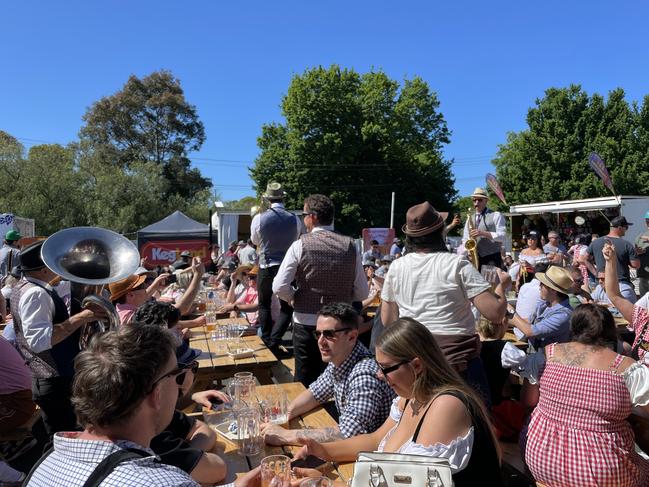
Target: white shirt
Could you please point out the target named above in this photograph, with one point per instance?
(286, 274)
(497, 236)
(435, 289)
(247, 255)
(529, 297)
(255, 229)
(36, 310)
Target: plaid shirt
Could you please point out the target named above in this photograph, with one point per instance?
(362, 399)
(74, 459)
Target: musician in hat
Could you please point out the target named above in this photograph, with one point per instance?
(9, 253)
(273, 232)
(48, 338)
(487, 229)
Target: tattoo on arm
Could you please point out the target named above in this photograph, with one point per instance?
(321, 435)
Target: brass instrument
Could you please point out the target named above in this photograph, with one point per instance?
(93, 257)
(471, 245)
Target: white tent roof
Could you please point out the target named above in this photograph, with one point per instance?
(570, 206)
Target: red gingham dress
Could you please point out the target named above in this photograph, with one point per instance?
(578, 435)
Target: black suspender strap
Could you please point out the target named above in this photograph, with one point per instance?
(108, 464)
(103, 470)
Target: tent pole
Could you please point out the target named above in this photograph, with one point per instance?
(210, 223)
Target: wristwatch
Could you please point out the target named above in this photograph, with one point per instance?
(236, 308)
(509, 314)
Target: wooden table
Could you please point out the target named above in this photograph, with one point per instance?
(318, 418)
(213, 366)
(513, 339)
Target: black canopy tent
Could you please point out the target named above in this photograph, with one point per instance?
(162, 242)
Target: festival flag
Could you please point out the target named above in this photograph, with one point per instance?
(597, 164)
(495, 187)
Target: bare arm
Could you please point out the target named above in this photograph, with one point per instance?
(301, 404)
(61, 331)
(585, 258)
(156, 285)
(522, 324)
(210, 469)
(492, 305)
(389, 312)
(201, 436)
(185, 302)
(612, 285)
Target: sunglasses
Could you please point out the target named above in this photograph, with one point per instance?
(178, 372)
(328, 334)
(386, 370)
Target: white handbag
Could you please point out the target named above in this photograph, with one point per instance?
(378, 469)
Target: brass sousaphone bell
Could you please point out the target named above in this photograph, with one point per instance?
(93, 257)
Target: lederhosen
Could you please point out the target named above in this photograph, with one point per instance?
(52, 369)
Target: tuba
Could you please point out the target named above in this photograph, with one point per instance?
(471, 245)
(90, 258)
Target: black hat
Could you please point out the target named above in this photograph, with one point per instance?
(620, 221)
(30, 257)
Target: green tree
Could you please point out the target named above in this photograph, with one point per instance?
(148, 120)
(356, 138)
(549, 160)
(244, 203)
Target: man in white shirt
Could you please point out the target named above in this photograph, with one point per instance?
(247, 253)
(273, 231)
(327, 268)
(488, 230)
(48, 338)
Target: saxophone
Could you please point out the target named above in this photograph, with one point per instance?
(471, 245)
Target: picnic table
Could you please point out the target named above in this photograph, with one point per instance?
(317, 418)
(221, 365)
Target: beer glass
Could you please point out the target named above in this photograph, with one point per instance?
(275, 407)
(250, 439)
(275, 471)
(243, 388)
(317, 482)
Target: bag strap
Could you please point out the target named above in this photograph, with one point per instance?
(103, 470)
(108, 464)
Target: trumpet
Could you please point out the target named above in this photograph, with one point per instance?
(471, 245)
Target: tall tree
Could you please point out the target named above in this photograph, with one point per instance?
(148, 120)
(549, 160)
(357, 138)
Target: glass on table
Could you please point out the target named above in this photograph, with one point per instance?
(210, 320)
(275, 471)
(275, 407)
(317, 482)
(248, 433)
(243, 388)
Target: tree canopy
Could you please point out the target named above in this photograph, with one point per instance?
(148, 120)
(549, 160)
(356, 138)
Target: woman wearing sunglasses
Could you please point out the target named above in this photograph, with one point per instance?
(436, 413)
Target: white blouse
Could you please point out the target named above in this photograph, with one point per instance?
(457, 452)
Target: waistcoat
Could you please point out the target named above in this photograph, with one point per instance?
(277, 229)
(58, 360)
(326, 271)
(485, 245)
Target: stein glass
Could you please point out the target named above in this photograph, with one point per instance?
(275, 407)
(250, 439)
(275, 471)
(317, 482)
(243, 388)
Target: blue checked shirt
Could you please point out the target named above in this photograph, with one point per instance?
(73, 460)
(362, 399)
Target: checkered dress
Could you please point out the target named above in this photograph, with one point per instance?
(578, 435)
(640, 318)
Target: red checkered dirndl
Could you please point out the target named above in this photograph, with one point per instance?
(578, 435)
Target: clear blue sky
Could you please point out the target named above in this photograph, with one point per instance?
(488, 62)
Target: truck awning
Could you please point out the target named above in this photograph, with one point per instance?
(569, 206)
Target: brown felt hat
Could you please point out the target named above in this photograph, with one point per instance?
(421, 220)
(120, 288)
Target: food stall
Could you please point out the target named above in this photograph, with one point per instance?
(575, 217)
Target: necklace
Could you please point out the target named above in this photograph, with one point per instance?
(416, 406)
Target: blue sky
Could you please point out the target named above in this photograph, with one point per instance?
(488, 62)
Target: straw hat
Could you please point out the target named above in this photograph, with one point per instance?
(557, 278)
(480, 193)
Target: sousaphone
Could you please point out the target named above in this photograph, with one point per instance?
(93, 257)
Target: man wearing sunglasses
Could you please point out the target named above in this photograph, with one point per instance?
(124, 393)
(361, 398)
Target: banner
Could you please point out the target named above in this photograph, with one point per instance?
(166, 252)
(384, 236)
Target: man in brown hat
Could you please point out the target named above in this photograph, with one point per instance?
(551, 321)
(273, 232)
(437, 289)
(488, 230)
(327, 268)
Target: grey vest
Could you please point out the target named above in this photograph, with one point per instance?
(278, 230)
(485, 245)
(326, 271)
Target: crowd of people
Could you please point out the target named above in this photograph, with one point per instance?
(403, 343)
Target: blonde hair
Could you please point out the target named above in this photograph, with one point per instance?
(406, 339)
(487, 329)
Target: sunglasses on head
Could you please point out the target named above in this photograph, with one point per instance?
(328, 334)
(391, 368)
